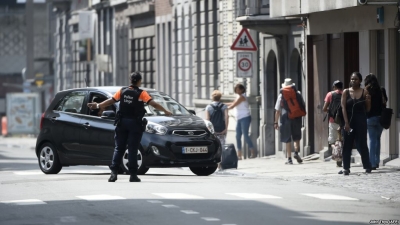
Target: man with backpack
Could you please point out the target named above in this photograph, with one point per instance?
(217, 113)
(290, 107)
(332, 106)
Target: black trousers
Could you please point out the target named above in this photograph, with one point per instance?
(127, 133)
(359, 135)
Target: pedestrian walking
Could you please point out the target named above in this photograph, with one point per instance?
(243, 120)
(217, 113)
(129, 123)
(378, 102)
(331, 106)
(289, 110)
(356, 102)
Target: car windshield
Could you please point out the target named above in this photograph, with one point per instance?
(166, 102)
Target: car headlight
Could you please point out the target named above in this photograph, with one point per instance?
(210, 126)
(155, 128)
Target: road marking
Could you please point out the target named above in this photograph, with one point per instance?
(253, 196)
(28, 173)
(189, 212)
(330, 197)
(154, 201)
(210, 219)
(68, 219)
(170, 206)
(25, 202)
(177, 196)
(100, 197)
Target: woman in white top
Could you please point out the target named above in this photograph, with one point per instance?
(243, 118)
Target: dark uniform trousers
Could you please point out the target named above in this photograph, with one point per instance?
(128, 132)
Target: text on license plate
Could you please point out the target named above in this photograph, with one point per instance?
(194, 150)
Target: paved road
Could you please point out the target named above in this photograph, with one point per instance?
(81, 195)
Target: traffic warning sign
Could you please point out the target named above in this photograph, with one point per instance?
(244, 42)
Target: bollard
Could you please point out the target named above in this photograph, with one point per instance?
(4, 126)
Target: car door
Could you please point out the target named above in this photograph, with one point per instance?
(66, 119)
(97, 137)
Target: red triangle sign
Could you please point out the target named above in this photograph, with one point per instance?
(244, 42)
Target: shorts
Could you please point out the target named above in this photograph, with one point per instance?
(291, 130)
(333, 133)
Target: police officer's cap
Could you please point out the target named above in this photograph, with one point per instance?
(136, 76)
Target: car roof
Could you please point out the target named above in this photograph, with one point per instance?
(110, 89)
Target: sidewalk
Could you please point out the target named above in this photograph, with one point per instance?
(384, 182)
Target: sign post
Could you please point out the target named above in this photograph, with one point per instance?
(244, 64)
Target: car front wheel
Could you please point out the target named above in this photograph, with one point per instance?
(204, 171)
(142, 169)
(48, 159)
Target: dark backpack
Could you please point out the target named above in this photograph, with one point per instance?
(336, 104)
(217, 118)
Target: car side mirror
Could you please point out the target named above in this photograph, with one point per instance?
(192, 111)
(109, 114)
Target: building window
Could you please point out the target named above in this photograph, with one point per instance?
(143, 59)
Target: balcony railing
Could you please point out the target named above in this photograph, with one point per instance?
(252, 7)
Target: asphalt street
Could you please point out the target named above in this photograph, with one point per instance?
(82, 195)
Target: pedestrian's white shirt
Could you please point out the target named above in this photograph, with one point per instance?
(242, 110)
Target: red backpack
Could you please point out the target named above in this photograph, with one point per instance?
(293, 102)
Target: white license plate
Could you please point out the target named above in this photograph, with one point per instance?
(194, 150)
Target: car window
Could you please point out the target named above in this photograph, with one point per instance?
(167, 102)
(98, 98)
(73, 102)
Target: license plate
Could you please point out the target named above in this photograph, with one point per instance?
(194, 150)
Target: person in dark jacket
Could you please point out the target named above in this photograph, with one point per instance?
(356, 102)
(378, 102)
(129, 129)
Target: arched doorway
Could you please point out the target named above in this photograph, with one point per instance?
(295, 69)
(270, 96)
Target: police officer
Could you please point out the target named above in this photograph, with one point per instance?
(128, 128)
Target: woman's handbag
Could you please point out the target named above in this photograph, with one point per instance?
(386, 117)
(337, 148)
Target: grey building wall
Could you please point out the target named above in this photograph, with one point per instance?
(13, 39)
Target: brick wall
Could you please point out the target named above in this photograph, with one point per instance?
(163, 7)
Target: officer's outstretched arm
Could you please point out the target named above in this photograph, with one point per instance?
(159, 107)
(101, 105)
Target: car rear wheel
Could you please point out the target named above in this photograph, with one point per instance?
(142, 169)
(48, 159)
(204, 171)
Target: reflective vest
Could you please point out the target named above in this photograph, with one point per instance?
(130, 105)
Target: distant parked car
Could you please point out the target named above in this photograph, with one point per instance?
(72, 134)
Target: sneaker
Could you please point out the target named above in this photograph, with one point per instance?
(289, 162)
(297, 157)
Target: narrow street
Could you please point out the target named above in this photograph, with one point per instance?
(82, 195)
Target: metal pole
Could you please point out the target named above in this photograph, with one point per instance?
(89, 58)
(29, 39)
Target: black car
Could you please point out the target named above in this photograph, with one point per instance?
(72, 134)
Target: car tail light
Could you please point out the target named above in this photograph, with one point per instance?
(41, 121)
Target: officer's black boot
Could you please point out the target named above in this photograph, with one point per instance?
(134, 178)
(113, 176)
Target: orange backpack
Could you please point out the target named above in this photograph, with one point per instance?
(293, 102)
